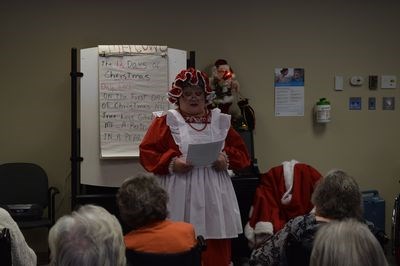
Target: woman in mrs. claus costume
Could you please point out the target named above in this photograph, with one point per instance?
(203, 196)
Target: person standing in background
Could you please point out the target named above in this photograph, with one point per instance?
(201, 195)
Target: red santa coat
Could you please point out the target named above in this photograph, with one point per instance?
(284, 192)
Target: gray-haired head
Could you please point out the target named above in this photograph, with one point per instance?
(346, 243)
(337, 196)
(142, 201)
(89, 236)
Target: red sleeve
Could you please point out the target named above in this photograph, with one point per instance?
(158, 147)
(236, 150)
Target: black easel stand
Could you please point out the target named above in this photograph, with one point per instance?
(75, 150)
(191, 61)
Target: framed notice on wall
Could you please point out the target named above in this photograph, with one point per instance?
(133, 80)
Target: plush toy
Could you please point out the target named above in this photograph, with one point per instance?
(224, 85)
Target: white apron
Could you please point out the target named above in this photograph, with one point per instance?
(203, 196)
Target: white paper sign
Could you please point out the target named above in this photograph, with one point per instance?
(203, 154)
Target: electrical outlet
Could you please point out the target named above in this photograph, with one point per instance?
(388, 82)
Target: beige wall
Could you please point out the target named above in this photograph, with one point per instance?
(335, 37)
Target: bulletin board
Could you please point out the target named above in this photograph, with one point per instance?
(109, 161)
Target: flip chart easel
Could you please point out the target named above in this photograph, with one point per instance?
(86, 164)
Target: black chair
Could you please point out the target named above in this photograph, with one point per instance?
(25, 194)
(5, 247)
(191, 257)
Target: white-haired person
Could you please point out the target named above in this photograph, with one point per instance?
(21, 253)
(202, 195)
(337, 196)
(346, 243)
(88, 236)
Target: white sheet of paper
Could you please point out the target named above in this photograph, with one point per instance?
(203, 154)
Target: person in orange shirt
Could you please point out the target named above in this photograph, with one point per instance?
(142, 205)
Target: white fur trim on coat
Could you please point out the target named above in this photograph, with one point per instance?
(254, 235)
(263, 228)
(249, 234)
(288, 173)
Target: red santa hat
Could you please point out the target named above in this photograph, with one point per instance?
(188, 77)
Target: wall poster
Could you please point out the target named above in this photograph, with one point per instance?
(289, 91)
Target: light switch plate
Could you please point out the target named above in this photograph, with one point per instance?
(388, 82)
(338, 83)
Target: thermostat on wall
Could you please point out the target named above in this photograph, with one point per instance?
(356, 81)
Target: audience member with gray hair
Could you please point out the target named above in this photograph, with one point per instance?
(336, 197)
(346, 243)
(89, 236)
(142, 205)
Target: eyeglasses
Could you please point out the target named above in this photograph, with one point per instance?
(189, 92)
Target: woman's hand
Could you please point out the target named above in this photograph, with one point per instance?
(221, 163)
(181, 167)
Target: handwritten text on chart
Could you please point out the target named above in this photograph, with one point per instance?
(131, 49)
(131, 88)
(130, 64)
